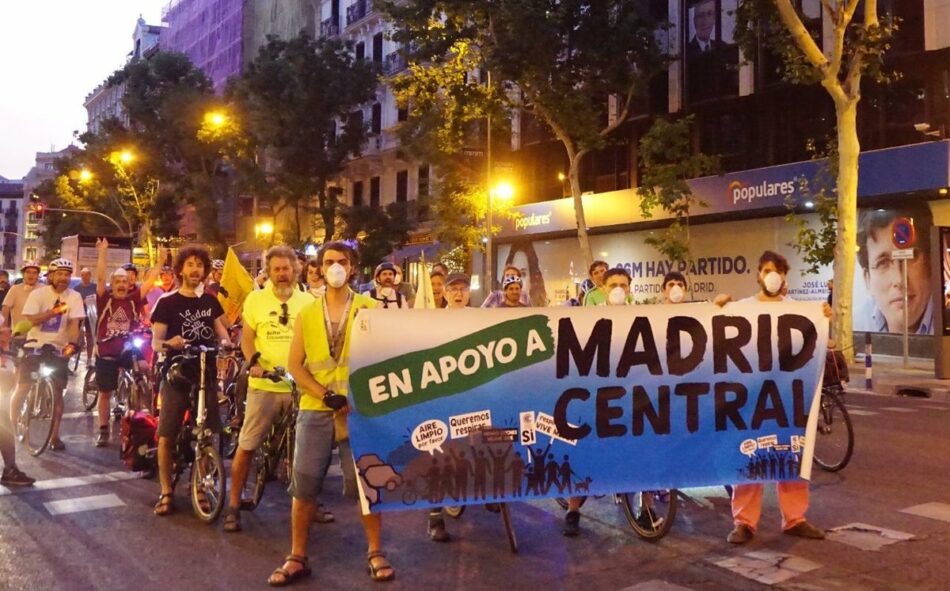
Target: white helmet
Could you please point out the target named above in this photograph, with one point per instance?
(61, 264)
(217, 265)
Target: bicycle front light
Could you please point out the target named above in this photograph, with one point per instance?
(137, 342)
(46, 371)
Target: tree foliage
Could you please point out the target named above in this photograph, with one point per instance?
(563, 62)
(815, 243)
(668, 162)
(377, 230)
(296, 103)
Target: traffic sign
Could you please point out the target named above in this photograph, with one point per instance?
(902, 254)
(903, 233)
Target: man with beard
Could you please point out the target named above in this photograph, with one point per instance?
(792, 494)
(55, 312)
(318, 361)
(119, 311)
(511, 288)
(269, 316)
(179, 319)
(496, 299)
(385, 291)
(438, 289)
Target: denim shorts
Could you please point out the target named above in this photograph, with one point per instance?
(312, 451)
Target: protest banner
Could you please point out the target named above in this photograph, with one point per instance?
(476, 406)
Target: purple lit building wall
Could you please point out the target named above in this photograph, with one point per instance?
(209, 32)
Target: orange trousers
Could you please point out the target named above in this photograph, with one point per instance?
(792, 502)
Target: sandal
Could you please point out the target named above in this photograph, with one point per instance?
(232, 520)
(289, 577)
(382, 565)
(322, 515)
(164, 508)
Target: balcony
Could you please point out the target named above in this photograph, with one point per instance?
(394, 63)
(357, 11)
(330, 27)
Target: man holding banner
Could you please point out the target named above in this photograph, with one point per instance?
(319, 356)
(792, 494)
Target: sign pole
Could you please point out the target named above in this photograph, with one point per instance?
(906, 320)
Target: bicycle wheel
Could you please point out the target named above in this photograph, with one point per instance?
(123, 395)
(834, 437)
(207, 484)
(509, 528)
(650, 513)
(22, 426)
(90, 389)
(230, 424)
(454, 511)
(41, 418)
(259, 470)
(72, 364)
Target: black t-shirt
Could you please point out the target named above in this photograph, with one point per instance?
(192, 318)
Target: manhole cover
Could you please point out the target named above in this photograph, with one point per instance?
(913, 392)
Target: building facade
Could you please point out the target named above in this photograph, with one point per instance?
(11, 201)
(210, 33)
(31, 224)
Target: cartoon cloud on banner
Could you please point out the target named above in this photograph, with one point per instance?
(478, 406)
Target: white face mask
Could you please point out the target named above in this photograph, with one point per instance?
(773, 283)
(676, 294)
(336, 275)
(617, 297)
(388, 293)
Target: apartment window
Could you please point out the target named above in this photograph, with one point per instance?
(377, 118)
(358, 194)
(423, 186)
(374, 192)
(402, 186)
(378, 48)
(360, 51)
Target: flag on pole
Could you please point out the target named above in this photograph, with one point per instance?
(424, 296)
(236, 283)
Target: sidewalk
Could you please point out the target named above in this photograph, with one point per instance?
(889, 376)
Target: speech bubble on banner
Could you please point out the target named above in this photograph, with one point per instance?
(748, 447)
(429, 436)
(767, 442)
(463, 425)
(546, 426)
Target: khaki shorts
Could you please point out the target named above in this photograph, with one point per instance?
(262, 410)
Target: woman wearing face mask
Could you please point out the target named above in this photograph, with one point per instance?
(674, 288)
(792, 494)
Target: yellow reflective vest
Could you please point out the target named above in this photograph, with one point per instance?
(326, 370)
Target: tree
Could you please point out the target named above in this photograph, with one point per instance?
(377, 230)
(668, 162)
(857, 50)
(567, 63)
(298, 103)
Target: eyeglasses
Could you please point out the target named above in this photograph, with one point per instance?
(284, 314)
(455, 289)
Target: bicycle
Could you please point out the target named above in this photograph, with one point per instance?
(274, 459)
(134, 385)
(34, 421)
(834, 437)
(195, 447)
(233, 389)
(650, 513)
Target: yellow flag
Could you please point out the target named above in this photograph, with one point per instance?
(424, 296)
(236, 283)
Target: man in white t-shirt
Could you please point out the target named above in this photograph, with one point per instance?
(56, 312)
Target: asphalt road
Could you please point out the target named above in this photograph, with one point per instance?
(102, 535)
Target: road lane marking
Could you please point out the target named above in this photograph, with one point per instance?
(861, 413)
(898, 409)
(67, 506)
(938, 511)
(57, 483)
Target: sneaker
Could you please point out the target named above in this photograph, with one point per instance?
(740, 534)
(102, 439)
(437, 531)
(13, 477)
(57, 444)
(572, 524)
(805, 530)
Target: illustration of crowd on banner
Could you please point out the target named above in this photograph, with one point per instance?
(725, 258)
(526, 402)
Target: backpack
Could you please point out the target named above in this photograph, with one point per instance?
(139, 437)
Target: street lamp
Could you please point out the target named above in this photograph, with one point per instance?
(215, 119)
(126, 156)
(85, 175)
(263, 229)
(502, 191)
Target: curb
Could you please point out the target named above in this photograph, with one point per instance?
(935, 395)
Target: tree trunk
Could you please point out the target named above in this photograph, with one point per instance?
(849, 149)
(582, 237)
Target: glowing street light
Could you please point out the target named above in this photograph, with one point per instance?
(85, 175)
(215, 119)
(503, 191)
(126, 156)
(263, 229)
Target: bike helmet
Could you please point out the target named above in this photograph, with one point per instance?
(384, 267)
(509, 280)
(217, 265)
(29, 265)
(61, 264)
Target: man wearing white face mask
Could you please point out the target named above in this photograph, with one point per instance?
(385, 291)
(674, 288)
(792, 494)
(616, 284)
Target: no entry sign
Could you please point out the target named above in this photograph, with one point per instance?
(903, 234)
